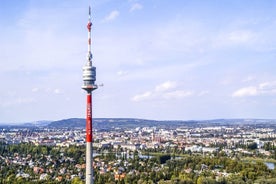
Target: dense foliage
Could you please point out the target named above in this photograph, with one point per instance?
(62, 165)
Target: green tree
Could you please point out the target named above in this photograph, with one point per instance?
(252, 146)
(76, 180)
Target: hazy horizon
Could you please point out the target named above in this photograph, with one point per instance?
(49, 121)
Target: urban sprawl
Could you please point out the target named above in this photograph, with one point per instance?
(139, 154)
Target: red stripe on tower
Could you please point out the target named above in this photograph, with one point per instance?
(89, 127)
(89, 26)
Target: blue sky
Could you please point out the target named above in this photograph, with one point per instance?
(157, 59)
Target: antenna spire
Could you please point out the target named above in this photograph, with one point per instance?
(89, 25)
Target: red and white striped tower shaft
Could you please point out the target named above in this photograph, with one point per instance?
(89, 78)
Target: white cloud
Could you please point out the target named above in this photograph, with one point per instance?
(53, 91)
(122, 73)
(142, 97)
(112, 15)
(246, 91)
(136, 6)
(164, 91)
(57, 91)
(177, 94)
(165, 86)
(266, 88)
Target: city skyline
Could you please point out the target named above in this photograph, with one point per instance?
(157, 60)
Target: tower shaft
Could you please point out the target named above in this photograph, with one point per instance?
(89, 141)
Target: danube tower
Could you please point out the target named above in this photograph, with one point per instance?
(89, 78)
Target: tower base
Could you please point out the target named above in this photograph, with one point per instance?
(89, 162)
